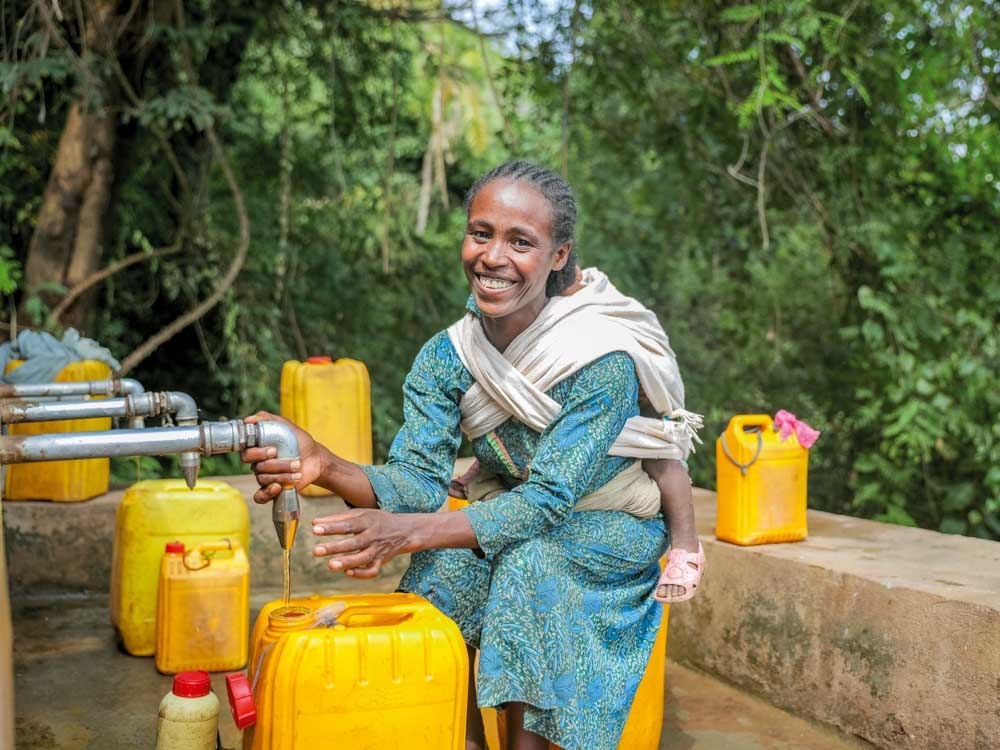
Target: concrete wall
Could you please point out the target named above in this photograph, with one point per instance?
(888, 633)
(67, 546)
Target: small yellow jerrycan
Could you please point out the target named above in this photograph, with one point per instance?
(391, 671)
(332, 402)
(760, 483)
(202, 608)
(152, 513)
(61, 481)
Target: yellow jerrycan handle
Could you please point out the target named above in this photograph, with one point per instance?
(368, 615)
(747, 423)
(206, 552)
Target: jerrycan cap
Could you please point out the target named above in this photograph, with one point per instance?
(319, 360)
(192, 684)
(241, 700)
(174, 548)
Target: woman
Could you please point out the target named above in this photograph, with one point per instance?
(558, 603)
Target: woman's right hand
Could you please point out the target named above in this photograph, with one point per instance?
(274, 473)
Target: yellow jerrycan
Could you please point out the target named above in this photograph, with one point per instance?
(645, 719)
(62, 481)
(760, 483)
(391, 671)
(152, 513)
(332, 402)
(202, 608)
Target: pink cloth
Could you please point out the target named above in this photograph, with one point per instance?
(786, 423)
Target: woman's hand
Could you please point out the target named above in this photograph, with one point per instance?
(274, 473)
(373, 537)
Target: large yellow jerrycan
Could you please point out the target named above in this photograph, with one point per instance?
(645, 719)
(152, 513)
(202, 608)
(391, 673)
(760, 482)
(62, 481)
(332, 402)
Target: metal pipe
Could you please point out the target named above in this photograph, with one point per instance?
(78, 388)
(181, 405)
(208, 439)
(134, 407)
(109, 387)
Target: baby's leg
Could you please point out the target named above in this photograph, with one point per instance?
(678, 508)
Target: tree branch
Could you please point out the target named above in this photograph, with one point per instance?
(97, 277)
(169, 331)
(762, 194)
(166, 333)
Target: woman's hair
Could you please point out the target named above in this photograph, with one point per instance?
(561, 200)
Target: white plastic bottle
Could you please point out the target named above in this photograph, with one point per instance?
(189, 714)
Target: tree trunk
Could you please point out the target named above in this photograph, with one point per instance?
(69, 237)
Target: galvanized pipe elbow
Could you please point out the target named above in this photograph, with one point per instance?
(182, 406)
(285, 507)
(128, 387)
(277, 435)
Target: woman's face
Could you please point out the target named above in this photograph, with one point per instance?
(508, 251)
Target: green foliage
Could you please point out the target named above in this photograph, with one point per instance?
(806, 193)
(10, 270)
(179, 107)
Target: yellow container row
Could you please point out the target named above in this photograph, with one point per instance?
(202, 601)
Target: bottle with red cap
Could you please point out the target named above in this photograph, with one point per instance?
(189, 714)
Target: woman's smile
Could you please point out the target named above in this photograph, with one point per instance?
(494, 283)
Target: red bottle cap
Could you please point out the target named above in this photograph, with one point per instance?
(192, 684)
(241, 700)
(174, 548)
(319, 360)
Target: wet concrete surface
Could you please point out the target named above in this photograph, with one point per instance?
(76, 690)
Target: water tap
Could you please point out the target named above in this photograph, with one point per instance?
(285, 507)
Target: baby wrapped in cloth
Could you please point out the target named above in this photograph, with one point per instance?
(569, 333)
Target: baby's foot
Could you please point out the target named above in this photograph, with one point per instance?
(682, 573)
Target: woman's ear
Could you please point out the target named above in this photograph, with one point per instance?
(562, 255)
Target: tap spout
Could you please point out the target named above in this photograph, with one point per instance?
(285, 512)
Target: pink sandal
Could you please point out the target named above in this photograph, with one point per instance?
(678, 572)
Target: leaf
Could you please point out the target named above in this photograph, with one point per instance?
(741, 13)
(953, 526)
(731, 58)
(855, 80)
(896, 514)
(783, 38)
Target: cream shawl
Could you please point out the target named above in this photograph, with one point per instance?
(569, 333)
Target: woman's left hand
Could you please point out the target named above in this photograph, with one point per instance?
(372, 538)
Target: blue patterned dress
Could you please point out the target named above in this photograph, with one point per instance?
(561, 604)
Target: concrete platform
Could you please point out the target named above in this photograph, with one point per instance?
(888, 633)
(75, 691)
